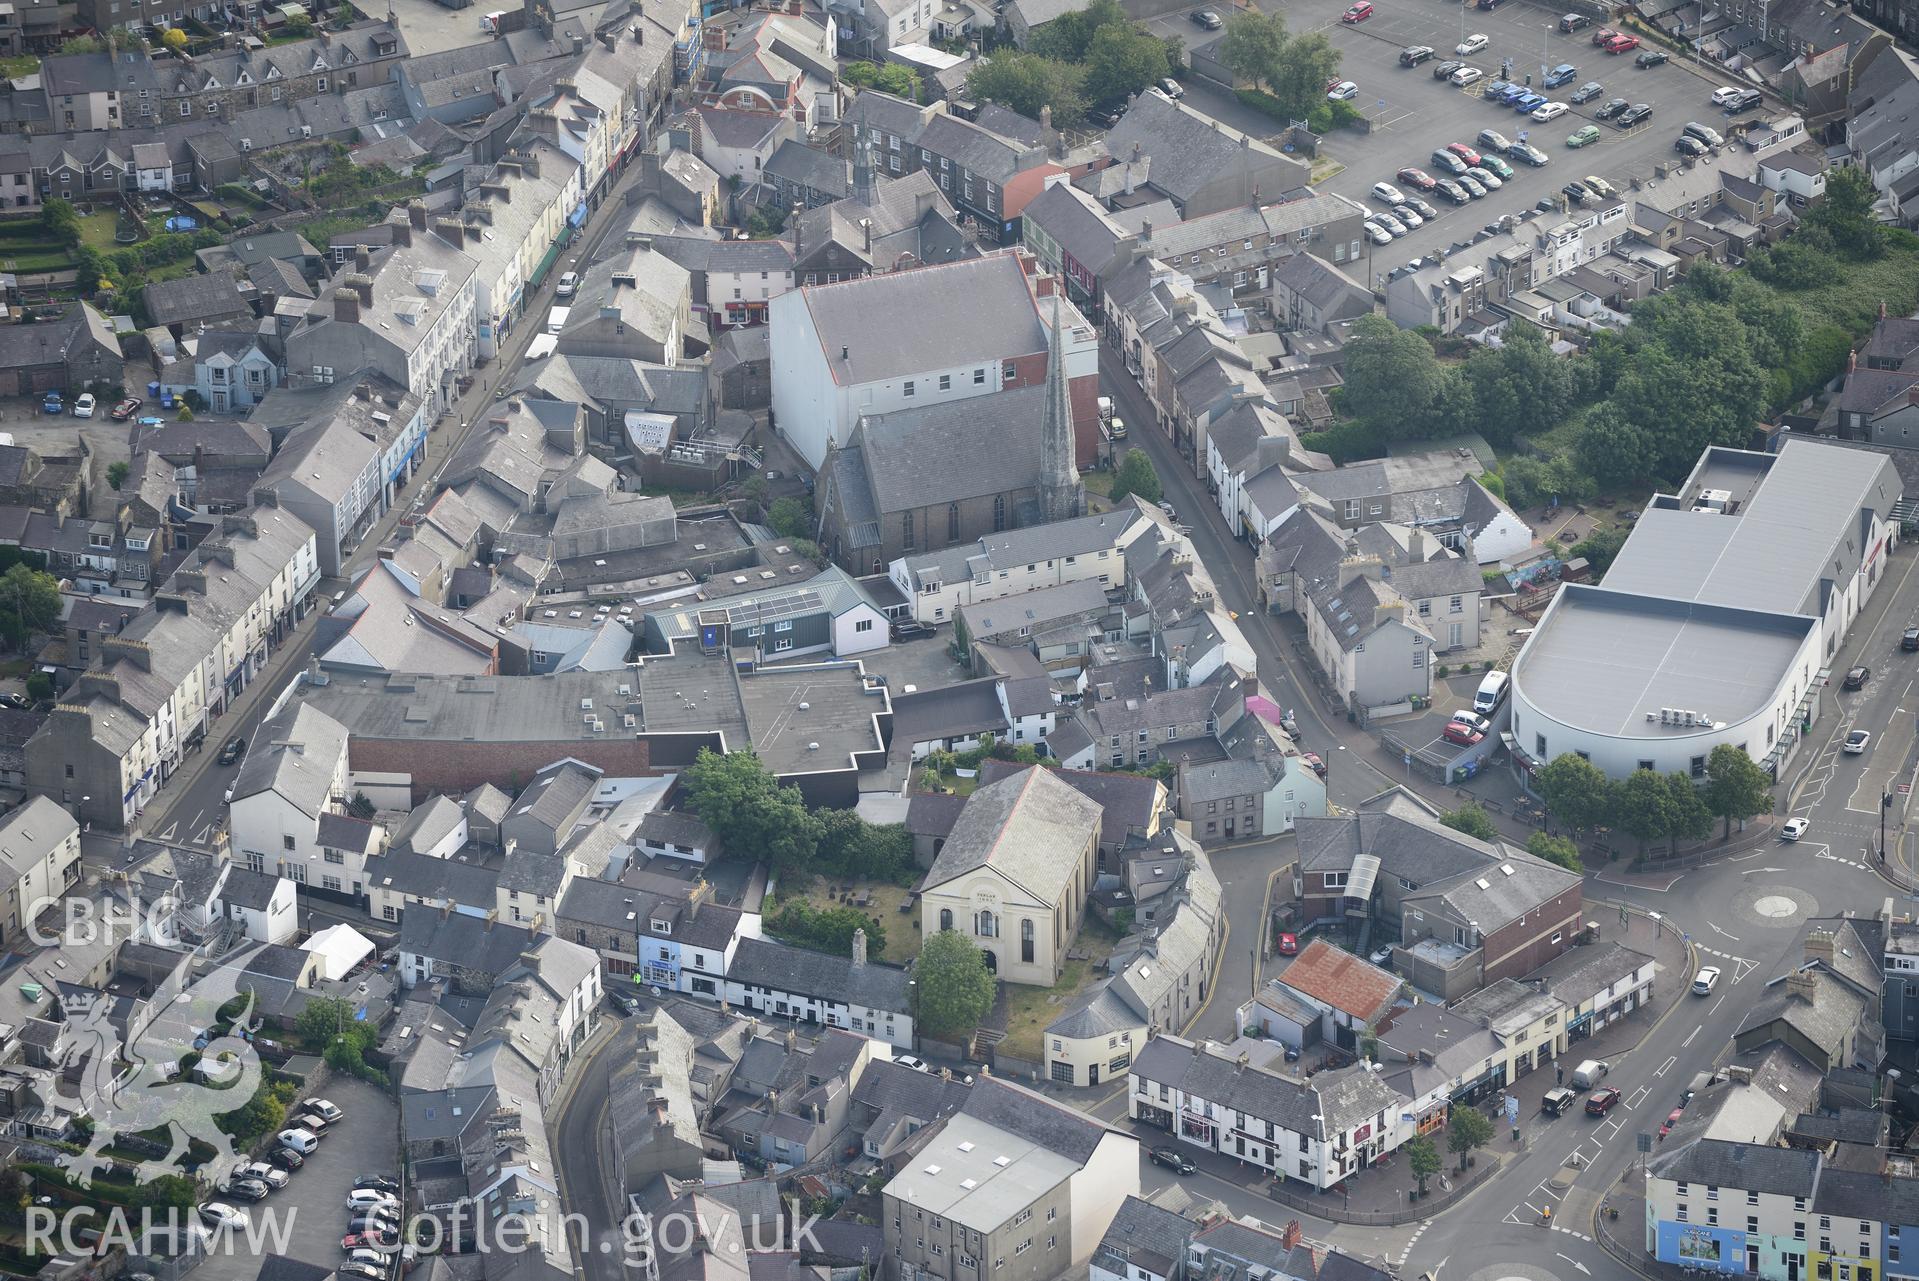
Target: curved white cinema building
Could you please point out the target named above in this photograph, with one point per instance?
(1719, 620)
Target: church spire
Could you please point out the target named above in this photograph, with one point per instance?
(1060, 494)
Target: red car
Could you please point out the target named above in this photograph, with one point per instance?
(1604, 34)
(1317, 766)
(1289, 945)
(126, 409)
(1672, 1119)
(1622, 44)
(1418, 178)
(1602, 1101)
(366, 1241)
(1464, 152)
(1463, 735)
(1358, 12)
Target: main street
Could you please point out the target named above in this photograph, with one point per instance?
(1742, 911)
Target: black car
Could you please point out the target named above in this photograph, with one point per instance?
(1909, 639)
(286, 1158)
(1173, 1159)
(1412, 57)
(1106, 117)
(1857, 678)
(1634, 114)
(910, 630)
(1586, 92)
(1574, 22)
(381, 1225)
(248, 1189)
(1612, 108)
(1206, 18)
(1687, 145)
(378, 1182)
(1651, 58)
(1745, 102)
(1441, 70)
(1577, 192)
(231, 752)
(1453, 191)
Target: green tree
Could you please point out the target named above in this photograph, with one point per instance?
(1137, 476)
(1600, 548)
(1305, 65)
(1575, 790)
(1392, 376)
(83, 44)
(1026, 82)
(1736, 788)
(361, 807)
(828, 929)
(1846, 213)
(323, 1018)
(955, 988)
(1472, 820)
(888, 77)
(166, 1191)
(764, 223)
(174, 39)
(1643, 807)
(1122, 60)
(790, 517)
(750, 811)
(1555, 849)
(1688, 816)
(1613, 449)
(1424, 1159)
(61, 220)
(1519, 386)
(117, 474)
(39, 686)
(1467, 1129)
(29, 602)
(1069, 36)
(1253, 45)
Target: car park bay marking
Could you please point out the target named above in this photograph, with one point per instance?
(1667, 1065)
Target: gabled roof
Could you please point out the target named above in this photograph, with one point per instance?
(1031, 828)
(1348, 983)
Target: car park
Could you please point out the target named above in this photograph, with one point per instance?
(1651, 58)
(1586, 93)
(1527, 152)
(1858, 741)
(1446, 160)
(1466, 76)
(1344, 91)
(1207, 19)
(1545, 113)
(1612, 107)
(1485, 178)
(1493, 140)
(1562, 74)
(1583, 136)
(1172, 1158)
(1471, 185)
(1602, 1101)
(1687, 145)
(1472, 43)
(1638, 113)
(1408, 216)
(1599, 186)
(1794, 828)
(1416, 54)
(1443, 69)
(1357, 13)
(1416, 178)
(1573, 22)
(1376, 233)
(1857, 678)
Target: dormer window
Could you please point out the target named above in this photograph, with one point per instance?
(662, 927)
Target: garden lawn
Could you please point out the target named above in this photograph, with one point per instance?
(902, 939)
(96, 231)
(1030, 1009)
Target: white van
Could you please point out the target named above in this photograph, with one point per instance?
(1588, 1074)
(556, 319)
(301, 1141)
(1492, 692)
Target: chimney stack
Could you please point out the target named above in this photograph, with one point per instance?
(1819, 946)
(346, 306)
(362, 257)
(363, 286)
(1290, 1237)
(416, 214)
(1802, 984)
(859, 947)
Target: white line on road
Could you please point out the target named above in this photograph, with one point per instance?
(1749, 871)
(1667, 1065)
(1687, 1043)
(1576, 1263)
(1639, 1096)
(1716, 1004)
(1717, 930)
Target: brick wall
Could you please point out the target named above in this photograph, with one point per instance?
(1522, 947)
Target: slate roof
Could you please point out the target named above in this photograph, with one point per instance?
(1223, 1082)
(1017, 1110)
(1188, 149)
(1582, 973)
(1750, 1167)
(248, 889)
(952, 450)
(211, 297)
(949, 711)
(807, 166)
(1127, 802)
(780, 968)
(1030, 828)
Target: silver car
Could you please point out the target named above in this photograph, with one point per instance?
(1376, 233)
(1471, 185)
(1394, 227)
(1485, 177)
(1408, 215)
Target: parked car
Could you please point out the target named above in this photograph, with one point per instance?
(1527, 103)
(568, 286)
(1493, 140)
(1573, 22)
(367, 1198)
(221, 1216)
(1376, 233)
(908, 1061)
(299, 1140)
(1672, 1118)
(1172, 88)
(1857, 678)
(362, 1271)
(368, 1241)
(231, 751)
(1471, 185)
(1443, 69)
(1599, 186)
(83, 407)
(1746, 101)
(1357, 12)
(1289, 944)
(1172, 1158)
(1344, 91)
(1611, 108)
(1858, 741)
(1547, 112)
(1472, 44)
(1416, 178)
(1635, 114)
(312, 1122)
(1314, 763)
(1472, 721)
(286, 1158)
(1527, 152)
(1466, 76)
(1584, 136)
(1446, 160)
(1651, 58)
(1387, 194)
(1725, 94)
(1462, 735)
(1485, 177)
(1704, 981)
(1560, 75)
(1687, 145)
(1602, 1101)
(1464, 152)
(1576, 192)
(1453, 191)
(1621, 43)
(1604, 35)
(273, 1178)
(247, 1189)
(380, 1182)
(325, 1109)
(127, 409)
(1207, 19)
(1422, 208)
(385, 1220)
(1586, 93)
(1409, 216)
(1794, 828)
(1416, 54)
(1704, 133)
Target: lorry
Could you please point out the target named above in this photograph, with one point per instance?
(556, 319)
(1588, 1073)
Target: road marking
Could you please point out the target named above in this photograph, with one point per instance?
(1687, 1043)
(1717, 930)
(1639, 1096)
(166, 833)
(1716, 1004)
(1664, 1067)
(1576, 1263)
(1749, 871)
